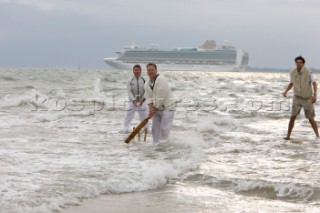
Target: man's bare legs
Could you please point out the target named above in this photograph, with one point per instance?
(313, 123)
(290, 126)
(314, 126)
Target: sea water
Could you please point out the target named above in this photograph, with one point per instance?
(60, 143)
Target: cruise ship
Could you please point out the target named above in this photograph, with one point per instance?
(206, 57)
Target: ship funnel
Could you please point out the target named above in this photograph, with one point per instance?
(208, 45)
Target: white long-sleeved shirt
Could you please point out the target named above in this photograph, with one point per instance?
(135, 88)
(159, 94)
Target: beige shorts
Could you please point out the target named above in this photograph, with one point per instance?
(306, 104)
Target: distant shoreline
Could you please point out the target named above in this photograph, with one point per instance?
(258, 69)
(248, 69)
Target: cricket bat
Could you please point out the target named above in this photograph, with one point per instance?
(136, 130)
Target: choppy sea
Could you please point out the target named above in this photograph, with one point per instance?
(60, 143)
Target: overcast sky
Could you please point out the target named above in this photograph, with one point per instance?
(80, 33)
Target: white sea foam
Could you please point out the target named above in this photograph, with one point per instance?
(290, 191)
(11, 121)
(53, 155)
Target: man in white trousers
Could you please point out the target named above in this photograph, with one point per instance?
(135, 89)
(160, 102)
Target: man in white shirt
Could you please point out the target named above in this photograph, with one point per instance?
(160, 102)
(135, 89)
(302, 80)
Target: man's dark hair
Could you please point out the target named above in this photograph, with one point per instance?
(152, 64)
(136, 66)
(300, 58)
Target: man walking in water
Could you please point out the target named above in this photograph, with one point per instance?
(301, 79)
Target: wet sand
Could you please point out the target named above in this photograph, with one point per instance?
(182, 198)
(167, 199)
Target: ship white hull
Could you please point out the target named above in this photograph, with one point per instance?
(120, 65)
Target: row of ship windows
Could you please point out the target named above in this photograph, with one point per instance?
(182, 62)
(178, 56)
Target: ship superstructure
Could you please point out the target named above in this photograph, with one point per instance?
(207, 57)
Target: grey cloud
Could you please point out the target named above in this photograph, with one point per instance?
(84, 32)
